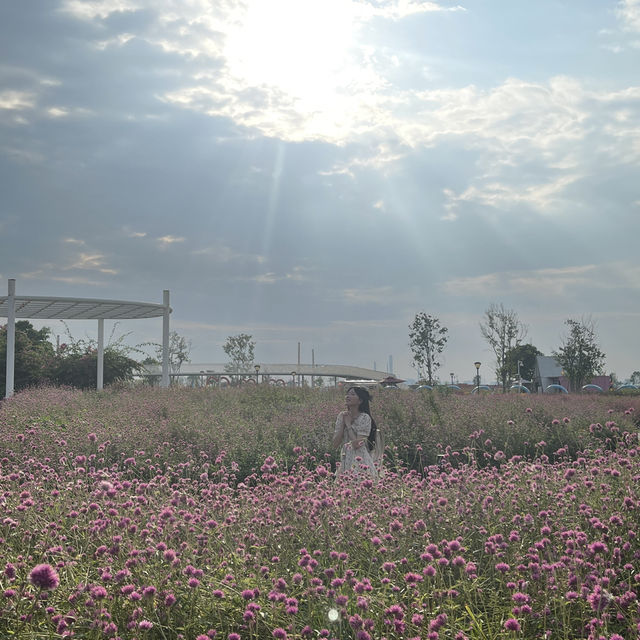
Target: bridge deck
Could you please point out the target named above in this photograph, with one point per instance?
(278, 370)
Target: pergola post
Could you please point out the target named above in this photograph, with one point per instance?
(100, 372)
(165, 339)
(11, 338)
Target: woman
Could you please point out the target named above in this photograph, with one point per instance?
(356, 433)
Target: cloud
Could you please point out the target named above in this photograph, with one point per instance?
(91, 262)
(544, 198)
(546, 282)
(129, 233)
(91, 9)
(384, 296)
(629, 13)
(166, 241)
(16, 100)
(297, 274)
(45, 275)
(222, 254)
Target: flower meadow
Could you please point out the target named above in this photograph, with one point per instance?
(201, 513)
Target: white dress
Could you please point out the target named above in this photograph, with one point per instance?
(359, 428)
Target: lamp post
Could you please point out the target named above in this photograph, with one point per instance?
(477, 366)
(257, 368)
(519, 377)
(293, 378)
(451, 374)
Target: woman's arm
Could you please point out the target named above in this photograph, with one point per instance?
(338, 434)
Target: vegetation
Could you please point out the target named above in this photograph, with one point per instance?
(74, 363)
(526, 355)
(427, 339)
(33, 355)
(503, 331)
(579, 356)
(196, 514)
(179, 351)
(240, 350)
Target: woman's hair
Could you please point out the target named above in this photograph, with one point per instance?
(365, 397)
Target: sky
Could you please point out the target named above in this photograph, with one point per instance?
(320, 171)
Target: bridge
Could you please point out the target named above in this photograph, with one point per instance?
(274, 372)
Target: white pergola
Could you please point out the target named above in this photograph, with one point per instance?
(48, 308)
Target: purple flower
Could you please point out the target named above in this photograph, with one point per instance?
(44, 576)
(279, 633)
(145, 624)
(512, 625)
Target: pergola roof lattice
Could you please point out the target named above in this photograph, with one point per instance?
(46, 308)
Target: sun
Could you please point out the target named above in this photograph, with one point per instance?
(305, 49)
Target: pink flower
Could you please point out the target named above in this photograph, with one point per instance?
(44, 576)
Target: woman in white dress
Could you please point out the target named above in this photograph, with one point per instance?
(355, 433)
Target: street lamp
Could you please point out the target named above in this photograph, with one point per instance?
(519, 377)
(257, 368)
(477, 366)
(451, 374)
(293, 378)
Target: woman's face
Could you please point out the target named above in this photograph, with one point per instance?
(352, 399)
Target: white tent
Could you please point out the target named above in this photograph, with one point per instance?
(48, 308)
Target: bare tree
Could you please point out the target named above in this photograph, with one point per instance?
(503, 331)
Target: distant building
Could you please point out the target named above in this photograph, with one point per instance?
(548, 371)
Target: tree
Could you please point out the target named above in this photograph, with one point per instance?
(76, 362)
(179, 350)
(579, 356)
(525, 354)
(33, 355)
(503, 331)
(78, 367)
(427, 339)
(240, 351)
(635, 378)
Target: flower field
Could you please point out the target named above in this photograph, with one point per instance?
(198, 513)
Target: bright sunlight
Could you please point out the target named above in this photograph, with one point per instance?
(303, 49)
